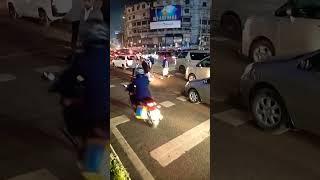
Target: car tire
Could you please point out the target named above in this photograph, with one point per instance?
(268, 109)
(43, 18)
(194, 96)
(113, 65)
(123, 67)
(12, 11)
(231, 26)
(258, 46)
(191, 77)
(182, 69)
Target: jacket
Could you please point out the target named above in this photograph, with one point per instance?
(142, 87)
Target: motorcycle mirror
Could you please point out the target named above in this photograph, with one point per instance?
(51, 76)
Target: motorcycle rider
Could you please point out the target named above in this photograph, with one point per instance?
(139, 88)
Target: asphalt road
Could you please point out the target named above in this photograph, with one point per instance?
(30, 118)
(240, 150)
(180, 120)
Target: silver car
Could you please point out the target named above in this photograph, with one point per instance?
(198, 90)
(284, 91)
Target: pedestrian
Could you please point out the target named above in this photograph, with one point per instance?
(165, 67)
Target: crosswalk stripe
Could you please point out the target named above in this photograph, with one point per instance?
(112, 86)
(7, 77)
(167, 104)
(125, 83)
(143, 171)
(182, 98)
(172, 150)
(42, 174)
(233, 116)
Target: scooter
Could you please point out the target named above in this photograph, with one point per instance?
(150, 113)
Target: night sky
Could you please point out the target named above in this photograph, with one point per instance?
(116, 11)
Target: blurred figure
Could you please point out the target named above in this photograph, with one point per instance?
(165, 67)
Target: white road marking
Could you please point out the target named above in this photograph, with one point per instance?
(233, 117)
(281, 130)
(182, 98)
(172, 150)
(112, 86)
(42, 174)
(7, 77)
(125, 83)
(52, 68)
(167, 104)
(143, 171)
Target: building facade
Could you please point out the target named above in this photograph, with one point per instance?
(194, 29)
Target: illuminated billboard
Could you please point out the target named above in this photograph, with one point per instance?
(165, 17)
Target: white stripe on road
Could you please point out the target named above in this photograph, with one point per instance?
(7, 77)
(143, 171)
(112, 86)
(125, 83)
(172, 150)
(42, 174)
(167, 104)
(233, 117)
(182, 98)
(52, 68)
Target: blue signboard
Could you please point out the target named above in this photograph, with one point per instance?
(166, 13)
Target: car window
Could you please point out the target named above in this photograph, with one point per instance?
(205, 62)
(183, 55)
(121, 58)
(307, 9)
(130, 58)
(282, 11)
(315, 61)
(198, 56)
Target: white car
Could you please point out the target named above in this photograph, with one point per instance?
(44, 10)
(293, 29)
(124, 61)
(200, 71)
(190, 58)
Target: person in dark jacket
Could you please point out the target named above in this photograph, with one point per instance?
(139, 86)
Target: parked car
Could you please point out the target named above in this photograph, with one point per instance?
(292, 30)
(190, 58)
(124, 61)
(199, 71)
(44, 10)
(284, 91)
(198, 90)
(231, 15)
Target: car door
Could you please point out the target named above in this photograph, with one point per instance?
(307, 96)
(296, 32)
(204, 91)
(202, 69)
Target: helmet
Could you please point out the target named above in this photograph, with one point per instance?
(98, 33)
(139, 71)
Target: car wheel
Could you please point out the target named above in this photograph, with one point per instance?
(12, 11)
(231, 26)
(43, 18)
(261, 50)
(194, 96)
(123, 67)
(268, 109)
(113, 65)
(191, 77)
(182, 69)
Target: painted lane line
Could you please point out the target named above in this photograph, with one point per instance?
(182, 98)
(167, 104)
(42, 174)
(143, 171)
(172, 150)
(233, 117)
(52, 68)
(112, 86)
(125, 83)
(7, 77)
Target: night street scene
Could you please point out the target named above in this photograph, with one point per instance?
(160, 88)
(266, 89)
(38, 140)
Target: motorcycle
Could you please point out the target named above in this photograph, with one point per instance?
(148, 110)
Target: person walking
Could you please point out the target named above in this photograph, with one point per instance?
(165, 67)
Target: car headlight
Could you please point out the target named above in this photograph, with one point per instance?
(247, 71)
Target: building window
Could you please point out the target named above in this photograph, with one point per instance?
(143, 6)
(144, 14)
(133, 17)
(134, 31)
(204, 31)
(138, 23)
(204, 4)
(138, 7)
(186, 20)
(187, 1)
(144, 22)
(133, 24)
(204, 21)
(186, 10)
(129, 17)
(128, 10)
